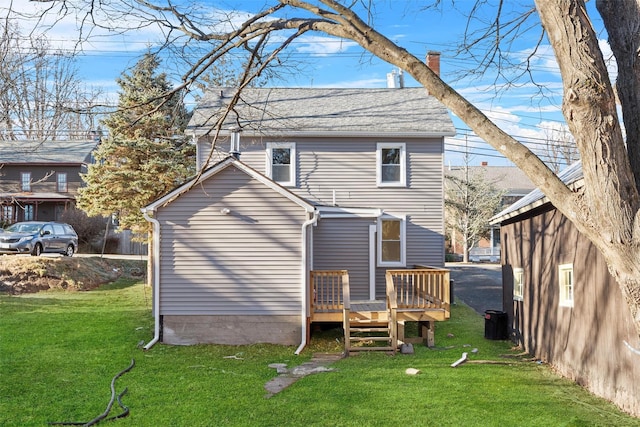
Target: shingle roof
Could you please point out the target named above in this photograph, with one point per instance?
(507, 178)
(571, 175)
(405, 111)
(58, 152)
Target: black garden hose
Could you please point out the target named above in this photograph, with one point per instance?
(103, 416)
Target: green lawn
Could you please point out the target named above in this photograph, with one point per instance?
(59, 352)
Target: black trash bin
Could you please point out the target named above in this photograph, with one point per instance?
(495, 325)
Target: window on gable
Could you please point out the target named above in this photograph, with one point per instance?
(25, 181)
(391, 242)
(391, 164)
(518, 284)
(281, 163)
(565, 281)
(61, 178)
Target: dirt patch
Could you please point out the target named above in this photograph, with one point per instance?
(19, 275)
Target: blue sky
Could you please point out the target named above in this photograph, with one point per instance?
(525, 111)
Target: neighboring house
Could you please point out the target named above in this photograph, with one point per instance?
(322, 185)
(563, 305)
(507, 179)
(39, 180)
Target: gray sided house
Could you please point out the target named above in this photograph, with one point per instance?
(563, 305)
(39, 180)
(297, 181)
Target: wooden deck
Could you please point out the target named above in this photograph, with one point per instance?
(416, 295)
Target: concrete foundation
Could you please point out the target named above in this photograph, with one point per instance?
(231, 330)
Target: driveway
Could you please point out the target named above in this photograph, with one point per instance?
(479, 285)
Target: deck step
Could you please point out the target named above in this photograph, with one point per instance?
(381, 330)
(368, 331)
(362, 339)
(358, 349)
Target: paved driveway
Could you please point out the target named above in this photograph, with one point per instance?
(479, 285)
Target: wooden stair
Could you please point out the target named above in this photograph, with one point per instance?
(362, 332)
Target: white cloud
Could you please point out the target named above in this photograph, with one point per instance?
(322, 46)
(362, 83)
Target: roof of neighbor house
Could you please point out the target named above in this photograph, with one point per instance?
(46, 152)
(408, 112)
(507, 178)
(39, 197)
(571, 175)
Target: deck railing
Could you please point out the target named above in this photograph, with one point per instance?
(422, 288)
(327, 289)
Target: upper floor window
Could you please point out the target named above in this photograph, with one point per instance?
(391, 162)
(565, 282)
(61, 178)
(281, 163)
(391, 241)
(518, 284)
(25, 181)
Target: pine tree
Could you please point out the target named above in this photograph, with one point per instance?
(145, 154)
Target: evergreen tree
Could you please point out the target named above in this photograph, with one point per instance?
(145, 154)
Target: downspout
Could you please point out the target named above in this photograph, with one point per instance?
(303, 282)
(156, 278)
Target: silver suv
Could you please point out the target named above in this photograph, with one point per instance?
(37, 237)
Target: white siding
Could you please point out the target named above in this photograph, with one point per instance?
(244, 263)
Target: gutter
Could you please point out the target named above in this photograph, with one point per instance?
(156, 278)
(303, 282)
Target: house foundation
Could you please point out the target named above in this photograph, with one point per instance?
(231, 330)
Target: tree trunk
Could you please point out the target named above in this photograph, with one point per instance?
(623, 26)
(607, 209)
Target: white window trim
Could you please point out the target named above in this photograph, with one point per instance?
(403, 164)
(292, 171)
(59, 176)
(518, 273)
(564, 302)
(403, 241)
(25, 185)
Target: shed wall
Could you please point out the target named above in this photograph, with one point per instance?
(584, 342)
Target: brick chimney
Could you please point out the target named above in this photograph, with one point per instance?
(433, 61)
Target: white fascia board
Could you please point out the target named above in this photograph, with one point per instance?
(339, 212)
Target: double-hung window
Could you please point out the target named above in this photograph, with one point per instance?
(25, 181)
(391, 241)
(518, 284)
(61, 178)
(391, 164)
(6, 214)
(565, 282)
(29, 212)
(281, 163)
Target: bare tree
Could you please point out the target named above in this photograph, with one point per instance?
(560, 149)
(606, 209)
(41, 95)
(470, 202)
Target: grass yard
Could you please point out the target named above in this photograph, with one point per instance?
(60, 350)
